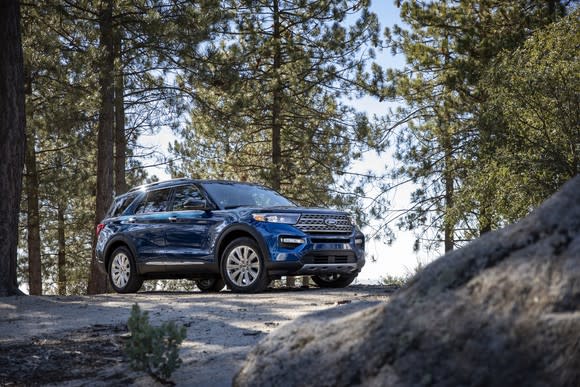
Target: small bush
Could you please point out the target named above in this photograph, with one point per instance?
(154, 350)
(391, 280)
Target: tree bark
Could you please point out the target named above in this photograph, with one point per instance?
(448, 173)
(276, 110)
(120, 139)
(33, 217)
(97, 278)
(61, 250)
(12, 141)
(276, 101)
(449, 228)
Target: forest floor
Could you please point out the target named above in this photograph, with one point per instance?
(79, 340)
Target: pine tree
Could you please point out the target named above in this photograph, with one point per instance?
(12, 141)
(271, 109)
(60, 113)
(534, 96)
(142, 44)
(448, 47)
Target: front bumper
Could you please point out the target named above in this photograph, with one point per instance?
(319, 254)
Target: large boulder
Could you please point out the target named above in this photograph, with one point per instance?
(502, 311)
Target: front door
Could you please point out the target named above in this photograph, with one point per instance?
(191, 231)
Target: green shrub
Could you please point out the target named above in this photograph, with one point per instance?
(396, 281)
(154, 350)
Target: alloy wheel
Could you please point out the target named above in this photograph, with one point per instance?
(120, 270)
(243, 266)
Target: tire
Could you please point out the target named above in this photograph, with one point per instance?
(122, 271)
(333, 280)
(242, 266)
(210, 285)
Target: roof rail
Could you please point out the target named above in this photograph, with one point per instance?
(154, 184)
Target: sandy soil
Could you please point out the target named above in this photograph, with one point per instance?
(77, 341)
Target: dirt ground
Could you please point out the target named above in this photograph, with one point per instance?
(78, 341)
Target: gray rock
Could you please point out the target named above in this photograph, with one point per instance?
(502, 311)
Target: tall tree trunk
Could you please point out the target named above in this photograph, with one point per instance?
(449, 228)
(277, 110)
(61, 250)
(12, 141)
(120, 139)
(33, 217)
(448, 173)
(276, 101)
(97, 279)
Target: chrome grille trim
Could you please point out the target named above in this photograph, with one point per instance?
(324, 223)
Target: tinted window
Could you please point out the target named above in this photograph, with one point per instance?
(155, 201)
(120, 205)
(184, 196)
(231, 195)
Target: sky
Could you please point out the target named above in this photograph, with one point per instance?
(397, 259)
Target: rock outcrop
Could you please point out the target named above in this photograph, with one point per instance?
(502, 311)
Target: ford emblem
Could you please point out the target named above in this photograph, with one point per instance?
(330, 222)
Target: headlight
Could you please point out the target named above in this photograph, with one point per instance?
(277, 218)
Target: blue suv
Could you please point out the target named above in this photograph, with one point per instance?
(224, 233)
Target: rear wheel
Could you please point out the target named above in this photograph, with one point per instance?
(333, 280)
(210, 285)
(242, 266)
(123, 271)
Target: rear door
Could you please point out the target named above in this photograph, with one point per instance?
(147, 227)
(192, 232)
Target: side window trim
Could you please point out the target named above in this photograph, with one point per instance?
(121, 204)
(174, 196)
(168, 201)
(137, 202)
(206, 195)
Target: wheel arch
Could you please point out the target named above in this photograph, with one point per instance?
(239, 231)
(113, 245)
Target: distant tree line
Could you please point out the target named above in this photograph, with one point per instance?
(487, 126)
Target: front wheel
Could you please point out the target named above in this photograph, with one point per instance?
(123, 271)
(333, 280)
(242, 266)
(210, 285)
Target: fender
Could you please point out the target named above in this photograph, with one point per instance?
(115, 240)
(244, 228)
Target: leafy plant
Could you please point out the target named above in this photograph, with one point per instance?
(154, 350)
(395, 281)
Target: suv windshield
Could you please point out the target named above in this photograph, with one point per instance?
(232, 195)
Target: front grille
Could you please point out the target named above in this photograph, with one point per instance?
(323, 223)
(330, 240)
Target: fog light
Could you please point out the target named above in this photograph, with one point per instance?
(359, 241)
(291, 241)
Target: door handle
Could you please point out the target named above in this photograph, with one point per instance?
(172, 219)
(131, 220)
